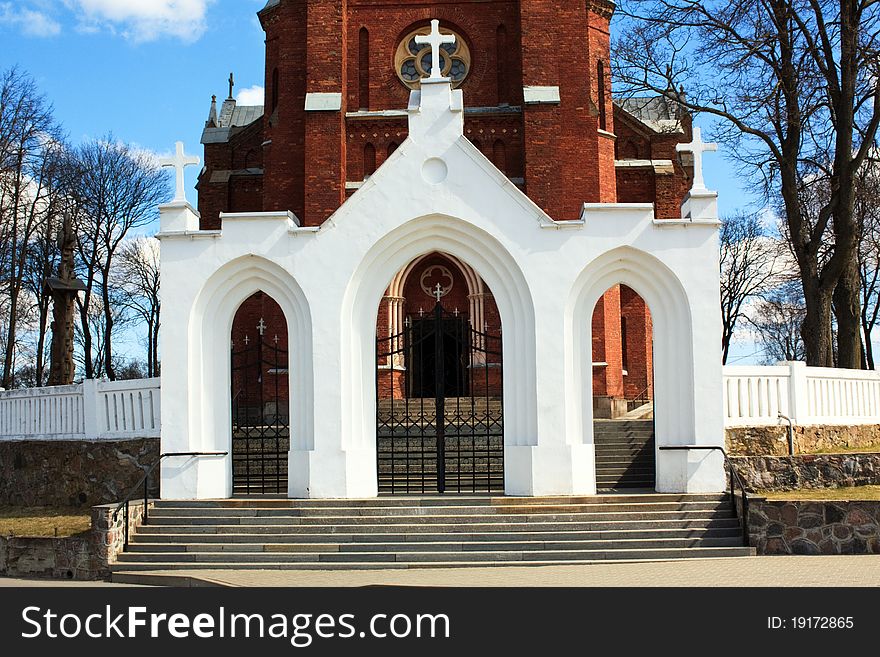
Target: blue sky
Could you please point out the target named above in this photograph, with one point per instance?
(145, 70)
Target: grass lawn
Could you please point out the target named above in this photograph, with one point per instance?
(852, 494)
(43, 521)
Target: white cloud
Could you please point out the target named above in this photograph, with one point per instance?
(143, 20)
(30, 21)
(255, 95)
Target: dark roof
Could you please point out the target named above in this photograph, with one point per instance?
(232, 116)
(656, 112)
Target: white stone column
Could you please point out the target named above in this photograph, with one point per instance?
(551, 465)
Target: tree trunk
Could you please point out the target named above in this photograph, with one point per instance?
(87, 336)
(108, 327)
(847, 310)
(816, 327)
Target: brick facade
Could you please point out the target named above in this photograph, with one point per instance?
(586, 148)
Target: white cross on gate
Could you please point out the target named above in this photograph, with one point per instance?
(697, 146)
(438, 292)
(435, 40)
(261, 327)
(179, 162)
(247, 341)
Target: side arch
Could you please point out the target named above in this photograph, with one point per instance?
(210, 326)
(674, 374)
(493, 264)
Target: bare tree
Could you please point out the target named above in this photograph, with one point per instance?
(118, 189)
(138, 278)
(868, 215)
(777, 322)
(749, 258)
(28, 142)
(796, 87)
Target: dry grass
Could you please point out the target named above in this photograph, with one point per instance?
(857, 493)
(43, 521)
(864, 449)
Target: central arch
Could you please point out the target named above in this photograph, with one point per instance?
(391, 255)
(440, 414)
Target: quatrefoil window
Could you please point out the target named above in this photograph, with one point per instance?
(413, 61)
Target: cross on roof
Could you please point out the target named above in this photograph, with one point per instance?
(697, 147)
(231, 83)
(179, 162)
(435, 40)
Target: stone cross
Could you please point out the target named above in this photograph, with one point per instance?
(179, 162)
(435, 40)
(231, 83)
(697, 147)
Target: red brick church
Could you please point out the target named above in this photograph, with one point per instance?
(536, 76)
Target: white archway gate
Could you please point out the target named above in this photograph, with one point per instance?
(437, 192)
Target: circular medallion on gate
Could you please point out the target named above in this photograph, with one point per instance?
(434, 276)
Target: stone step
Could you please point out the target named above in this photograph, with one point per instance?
(192, 538)
(148, 551)
(241, 561)
(444, 500)
(719, 521)
(719, 510)
(356, 511)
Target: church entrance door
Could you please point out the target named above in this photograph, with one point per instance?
(260, 416)
(447, 434)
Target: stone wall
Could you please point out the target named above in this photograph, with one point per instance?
(756, 441)
(87, 556)
(108, 533)
(808, 471)
(792, 527)
(54, 558)
(72, 473)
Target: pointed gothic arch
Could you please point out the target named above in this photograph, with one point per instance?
(209, 331)
(502, 275)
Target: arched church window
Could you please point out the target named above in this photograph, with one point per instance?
(369, 160)
(413, 61)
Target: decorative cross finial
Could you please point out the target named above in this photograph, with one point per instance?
(697, 147)
(435, 40)
(231, 83)
(261, 327)
(179, 162)
(438, 292)
(247, 341)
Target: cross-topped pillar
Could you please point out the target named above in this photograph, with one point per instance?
(179, 162)
(435, 39)
(697, 147)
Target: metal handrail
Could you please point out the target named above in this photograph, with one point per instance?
(124, 504)
(735, 480)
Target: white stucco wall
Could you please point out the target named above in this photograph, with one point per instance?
(437, 192)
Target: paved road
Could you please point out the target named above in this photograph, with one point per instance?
(755, 571)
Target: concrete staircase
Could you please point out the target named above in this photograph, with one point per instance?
(624, 454)
(430, 532)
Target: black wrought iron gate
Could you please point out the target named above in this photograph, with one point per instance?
(260, 417)
(440, 416)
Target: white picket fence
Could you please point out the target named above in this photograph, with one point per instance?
(92, 410)
(755, 396)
